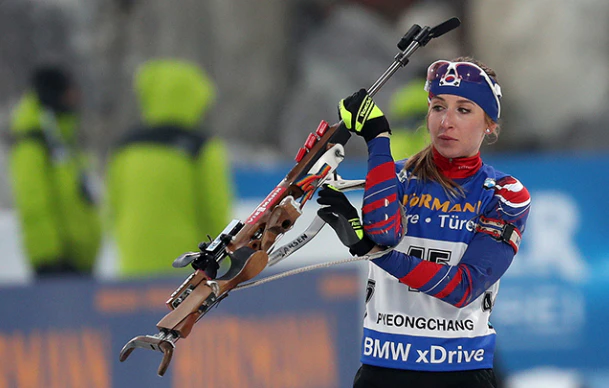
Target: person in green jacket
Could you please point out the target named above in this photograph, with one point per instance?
(53, 193)
(407, 113)
(169, 184)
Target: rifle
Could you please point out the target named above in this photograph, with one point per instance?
(248, 244)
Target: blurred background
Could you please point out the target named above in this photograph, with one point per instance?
(276, 69)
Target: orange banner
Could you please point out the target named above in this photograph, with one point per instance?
(285, 351)
(56, 359)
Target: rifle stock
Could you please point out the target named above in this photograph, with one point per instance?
(249, 247)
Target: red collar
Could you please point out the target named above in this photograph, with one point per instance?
(458, 167)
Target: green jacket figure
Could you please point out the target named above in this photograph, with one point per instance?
(53, 196)
(407, 113)
(169, 184)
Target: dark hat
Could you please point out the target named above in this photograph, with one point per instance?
(50, 83)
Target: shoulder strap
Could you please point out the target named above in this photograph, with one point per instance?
(171, 136)
(501, 231)
(30, 135)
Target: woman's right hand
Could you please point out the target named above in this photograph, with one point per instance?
(360, 114)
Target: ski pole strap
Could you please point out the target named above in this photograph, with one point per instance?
(501, 231)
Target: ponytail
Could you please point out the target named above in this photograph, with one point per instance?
(425, 169)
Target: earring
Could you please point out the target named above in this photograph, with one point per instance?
(488, 130)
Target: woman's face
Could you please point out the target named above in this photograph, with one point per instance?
(456, 125)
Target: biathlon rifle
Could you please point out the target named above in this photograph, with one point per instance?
(248, 244)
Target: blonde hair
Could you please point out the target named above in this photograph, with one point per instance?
(422, 164)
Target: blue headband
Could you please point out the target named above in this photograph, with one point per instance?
(466, 80)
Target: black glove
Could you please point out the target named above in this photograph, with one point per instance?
(338, 212)
(360, 114)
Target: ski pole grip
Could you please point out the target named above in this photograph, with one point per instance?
(443, 28)
(408, 37)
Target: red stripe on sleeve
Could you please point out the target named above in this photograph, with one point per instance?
(450, 287)
(379, 203)
(421, 274)
(520, 196)
(462, 301)
(391, 222)
(380, 173)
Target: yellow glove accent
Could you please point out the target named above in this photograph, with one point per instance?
(366, 111)
(357, 227)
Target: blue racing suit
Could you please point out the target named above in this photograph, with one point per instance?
(429, 300)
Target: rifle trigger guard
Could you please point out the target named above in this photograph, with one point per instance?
(215, 288)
